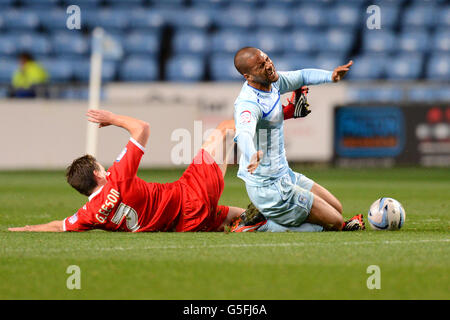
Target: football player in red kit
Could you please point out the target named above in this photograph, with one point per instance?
(121, 201)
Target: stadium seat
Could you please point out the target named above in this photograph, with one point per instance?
(441, 40)
(235, 19)
(290, 62)
(83, 4)
(274, 18)
(309, 16)
(125, 3)
(139, 69)
(419, 16)
(109, 19)
(7, 69)
(348, 16)
(380, 94)
(52, 19)
(34, 43)
(415, 41)
(287, 4)
(302, 41)
(81, 69)
(390, 13)
(8, 44)
(329, 61)
(146, 19)
(336, 40)
(14, 19)
(444, 17)
(429, 94)
(199, 19)
(269, 42)
(40, 3)
(208, 3)
(193, 42)
(185, 68)
(367, 67)
(222, 68)
(69, 42)
(58, 69)
(378, 41)
(167, 3)
(142, 43)
(229, 42)
(404, 67)
(438, 67)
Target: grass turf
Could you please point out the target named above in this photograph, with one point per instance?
(414, 262)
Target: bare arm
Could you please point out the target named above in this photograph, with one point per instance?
(54, 226)
(138, 129)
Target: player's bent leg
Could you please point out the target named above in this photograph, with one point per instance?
(322, 213)
(326, 195)
(220, 144)
(233, 214)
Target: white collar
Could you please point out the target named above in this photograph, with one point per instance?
(95, 193)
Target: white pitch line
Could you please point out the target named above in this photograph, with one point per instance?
(245, 245)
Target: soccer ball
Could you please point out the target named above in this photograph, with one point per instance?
(386, 214)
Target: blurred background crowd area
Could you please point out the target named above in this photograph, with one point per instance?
(195, 40)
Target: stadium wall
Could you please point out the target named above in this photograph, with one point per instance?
(48, 134)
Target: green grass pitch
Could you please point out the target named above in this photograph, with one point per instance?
(414, 262)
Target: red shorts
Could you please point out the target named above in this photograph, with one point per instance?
(202, 185)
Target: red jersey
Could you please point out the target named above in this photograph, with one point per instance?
(128, 203)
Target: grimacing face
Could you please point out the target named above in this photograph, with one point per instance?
(262, 69)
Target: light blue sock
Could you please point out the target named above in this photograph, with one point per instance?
(271, 226)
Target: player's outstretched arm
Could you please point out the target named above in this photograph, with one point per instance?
(138, 129)
(54, 226)
(340, 71)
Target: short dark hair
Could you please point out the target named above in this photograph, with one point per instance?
(80, 174)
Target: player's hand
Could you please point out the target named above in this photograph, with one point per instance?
(102, 117)
(254, 162)
(340, 71)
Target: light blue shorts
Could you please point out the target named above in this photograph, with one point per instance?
(287, 201)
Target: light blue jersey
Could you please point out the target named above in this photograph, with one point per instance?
(281, 195)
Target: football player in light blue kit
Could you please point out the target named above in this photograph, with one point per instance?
(287, 199)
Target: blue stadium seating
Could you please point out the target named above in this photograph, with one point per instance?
(229, 42)
(444, 16)
(125, 3)
(58, 69)
(441, 40)
(142, 43)
(69, 43)
(167, 3)
(327, 61)
(309, 16)
(200, 19)
(289, 62)
(404, 67)
(139, 69)
(109, 19)
(429, 93)
(269, 42)
(52, 19)
(191, 42)
(438, 67)
(8, 44)
(336, 40)
(274, 18)
(83, 4)
(7, 69)
(81, 69)
(368, 66)
(380, 94)
(222, 68)
(14, 19)
(146, 19)
(419, 16)
(235, 18)
(34, 43)
(208, 3)
(379, 41)
(344, 16)
(302, 41)
(415, 41)
(185, 68)
(40, 3)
